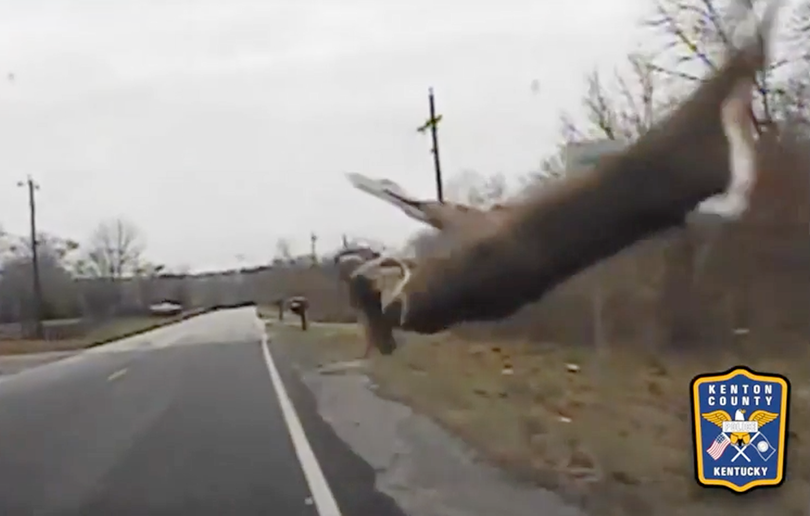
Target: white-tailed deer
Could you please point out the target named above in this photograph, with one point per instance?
(503, 259)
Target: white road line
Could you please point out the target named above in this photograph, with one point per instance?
(324, 499)
(117, 374)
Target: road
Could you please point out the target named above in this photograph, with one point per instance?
(193, 419)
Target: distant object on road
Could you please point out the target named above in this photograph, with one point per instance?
(166, 308)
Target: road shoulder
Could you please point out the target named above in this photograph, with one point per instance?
(350, 477)
(409, 458)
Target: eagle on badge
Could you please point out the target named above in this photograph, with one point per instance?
(718, 417)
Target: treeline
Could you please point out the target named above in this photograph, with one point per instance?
(96, 278)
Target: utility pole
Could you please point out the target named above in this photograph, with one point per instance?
(313, 241)
(432, 124)
(37, 283)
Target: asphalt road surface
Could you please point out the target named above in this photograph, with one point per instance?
(193, 419)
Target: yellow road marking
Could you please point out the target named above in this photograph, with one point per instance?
(117, 374)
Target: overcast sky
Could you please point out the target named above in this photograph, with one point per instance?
(219, 126)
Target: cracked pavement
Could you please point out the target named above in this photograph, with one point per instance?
(427, 471)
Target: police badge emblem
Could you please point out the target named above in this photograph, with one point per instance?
(739, 424)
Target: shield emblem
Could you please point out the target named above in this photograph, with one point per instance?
(739, 423)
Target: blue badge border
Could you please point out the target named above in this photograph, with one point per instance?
(697, 440)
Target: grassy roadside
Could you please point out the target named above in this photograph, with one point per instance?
(116, 329)
(613, 435)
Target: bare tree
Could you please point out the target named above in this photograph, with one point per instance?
(148, 269)
(689, 39)
(18, 246)
(618, 106)
(475, 189)
(283, 250)
(114, 250)
(621, 108)
(112, 253)
(695, 34)
(59, 291)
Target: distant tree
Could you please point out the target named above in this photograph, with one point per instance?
(60, 295)
(618, 109)
(283, 251)
(475, 189)
(115, 249)
(113, 252)
(695, 35)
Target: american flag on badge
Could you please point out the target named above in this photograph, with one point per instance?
(718, 446)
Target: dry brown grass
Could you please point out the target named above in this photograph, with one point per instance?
(615, 435)
(323, 344)
(105, 332)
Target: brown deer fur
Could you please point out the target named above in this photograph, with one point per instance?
(584, 218)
